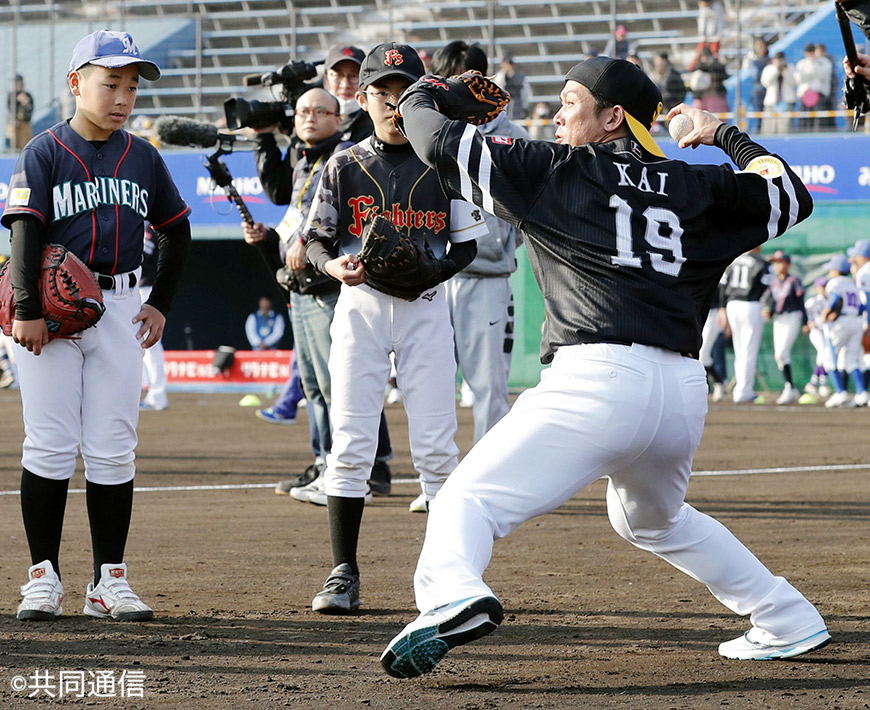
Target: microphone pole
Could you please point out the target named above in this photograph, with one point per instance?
(222, 177)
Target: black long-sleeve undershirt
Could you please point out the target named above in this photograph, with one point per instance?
(28, 238)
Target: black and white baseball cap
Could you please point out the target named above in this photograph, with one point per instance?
(390, 59)
(110, 49)
(623, 84)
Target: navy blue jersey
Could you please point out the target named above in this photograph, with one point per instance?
(94, 201)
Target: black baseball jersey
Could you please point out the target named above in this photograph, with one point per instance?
(372, 178)
(94, 201)
(626, 248)
(746, 279)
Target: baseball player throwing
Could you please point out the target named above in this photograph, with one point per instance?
(627, 248)
(88, 185)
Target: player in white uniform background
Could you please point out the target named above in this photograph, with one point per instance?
(843, 329)
(745, 281)
(154, 365)
(859, 255)
(784, 303)
(382, 175)
(480, 296)
(815, 329)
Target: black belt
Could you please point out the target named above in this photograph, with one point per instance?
(107, 283)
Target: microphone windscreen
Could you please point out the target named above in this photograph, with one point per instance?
(176, 130)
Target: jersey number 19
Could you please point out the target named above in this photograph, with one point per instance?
(655, 217)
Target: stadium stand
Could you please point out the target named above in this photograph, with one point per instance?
(208, 46)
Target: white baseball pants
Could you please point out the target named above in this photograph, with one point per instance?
(708, 337)
(154, 367)
(480, 313)
(747, 326)
(786, 327)
(85, 393)
(844, 335)
(635, 415)
(367, 327)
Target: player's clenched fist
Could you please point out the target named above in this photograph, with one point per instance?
(347, 269)
(704, 125)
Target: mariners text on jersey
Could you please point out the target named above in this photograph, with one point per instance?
(72, 198)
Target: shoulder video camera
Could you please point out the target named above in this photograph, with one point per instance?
(241, 113)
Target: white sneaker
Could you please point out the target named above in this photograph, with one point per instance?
(43, 594)
(811, 389)
(320, 498)
(394, 396)
(419, 504)
(789, 395)
(113, 597)
(303, 493)
(838, 399)
(744, 649)
(824, 391)
(861, 399)
(718, 392)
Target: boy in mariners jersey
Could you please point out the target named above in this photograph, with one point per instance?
(89, 185)
(381, 175)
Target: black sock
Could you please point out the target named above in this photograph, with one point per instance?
(345, 517)
(43, 503)
(109, 509)
(786, 373)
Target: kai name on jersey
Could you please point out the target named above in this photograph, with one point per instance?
(364, 208)
(72, 198)
(642, 180)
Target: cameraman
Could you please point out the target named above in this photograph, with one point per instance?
(341, 79)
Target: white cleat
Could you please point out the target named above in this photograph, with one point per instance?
(113, 598)
(43, 594)
(789, 395)
(744, 649)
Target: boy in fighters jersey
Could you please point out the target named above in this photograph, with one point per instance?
(382, 175)
(89, 185)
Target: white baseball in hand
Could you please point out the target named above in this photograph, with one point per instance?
(679, 126)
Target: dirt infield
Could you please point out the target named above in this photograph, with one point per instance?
(590, 621)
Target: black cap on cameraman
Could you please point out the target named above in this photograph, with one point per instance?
(344, 53)
(623, 84)
(390, 59)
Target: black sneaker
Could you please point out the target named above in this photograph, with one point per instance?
(340, 593)
(381, 480)
(426, 640)
(309, 475)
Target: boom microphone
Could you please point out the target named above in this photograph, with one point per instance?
(176, 130)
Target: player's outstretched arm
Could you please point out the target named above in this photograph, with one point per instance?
(704, 125)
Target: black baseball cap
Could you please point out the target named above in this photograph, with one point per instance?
(623, 84)
(390, 59)
(344, 53)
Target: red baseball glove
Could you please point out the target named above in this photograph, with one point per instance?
(71, 297)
